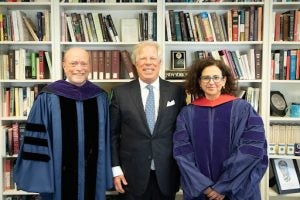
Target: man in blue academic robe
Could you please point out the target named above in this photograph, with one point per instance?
(65, 151)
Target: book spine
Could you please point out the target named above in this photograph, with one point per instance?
(128, 63)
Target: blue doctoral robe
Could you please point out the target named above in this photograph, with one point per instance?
(65, 149)
(220, 145)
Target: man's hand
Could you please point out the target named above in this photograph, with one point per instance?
(118, 182)
(213, 195)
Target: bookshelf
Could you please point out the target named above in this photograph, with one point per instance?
(25, 46)
(279, 81)
(56, 46)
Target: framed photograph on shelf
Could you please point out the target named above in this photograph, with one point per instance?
(178, 59)
(286, 174)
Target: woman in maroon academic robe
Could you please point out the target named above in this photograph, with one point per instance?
(219, 142)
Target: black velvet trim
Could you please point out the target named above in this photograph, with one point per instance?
(35, 127)
(91, 128)
(69, 178)
(35, 156)
(35, 141)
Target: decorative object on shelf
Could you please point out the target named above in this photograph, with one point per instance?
(278, 104)
(178, 59)
(297, 149)
(286, 174)
(295, 110)
(176, 74)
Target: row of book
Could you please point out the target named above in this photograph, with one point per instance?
(111, 64)
(9, 183)
(244, 65)
(16, 26)
(17, 101)
(209, 1)
(97, 27)
(21, 64)
(233, 25)
(287, 25)
(24, 0)
(252, 95)
(13, 134)
(283, 137)
(108, 1)
(286, 0)
(285, 64)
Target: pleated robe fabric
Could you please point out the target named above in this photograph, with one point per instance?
(221, 145)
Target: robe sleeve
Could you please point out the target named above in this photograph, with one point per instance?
(193, 182)
(33, 171)
(248, 161)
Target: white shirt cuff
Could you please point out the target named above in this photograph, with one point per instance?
(117, 171)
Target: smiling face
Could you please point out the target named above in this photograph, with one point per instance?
(211, 82)
(76, 66)
(148, 63)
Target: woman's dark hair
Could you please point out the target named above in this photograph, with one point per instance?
(195, 72)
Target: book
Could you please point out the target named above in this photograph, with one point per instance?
(95, 70)
(31, 28)
(126, 60)
(115, 64)
(40, 30)
(107, 64)
(130, 30)
(111, 24)
(101, 64)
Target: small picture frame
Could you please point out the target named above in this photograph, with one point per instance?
(178, 60)
(286, 173)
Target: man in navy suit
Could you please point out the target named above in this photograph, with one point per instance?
(142, 160)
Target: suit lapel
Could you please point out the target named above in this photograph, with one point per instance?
(135, 93)
(163, 90)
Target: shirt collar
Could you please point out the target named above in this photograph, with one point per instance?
(155, 84)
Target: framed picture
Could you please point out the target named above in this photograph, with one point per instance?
(178, 59)
(286, 174)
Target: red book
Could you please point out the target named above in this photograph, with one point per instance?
(115, 64)
(41, 65)
(128, 63)
(101, 64)
(7, 171)
(94, 58)
(107, 61)
(235, 25)
(16, 138)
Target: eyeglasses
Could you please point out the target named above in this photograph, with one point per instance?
(82, 64)
(215, 78)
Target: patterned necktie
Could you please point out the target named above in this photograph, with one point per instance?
(150, 108)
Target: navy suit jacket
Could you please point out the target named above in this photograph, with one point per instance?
(133, 147)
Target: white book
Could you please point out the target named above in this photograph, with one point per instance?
(97, 26)
(70, 28)
(150, 25)
(168, 27)
(85, 32)
(16, 35)
(47, 25)
(130, 30)
(49, 62)
(251, 60)
(246, 65)
(24, 34)
(193, 27)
